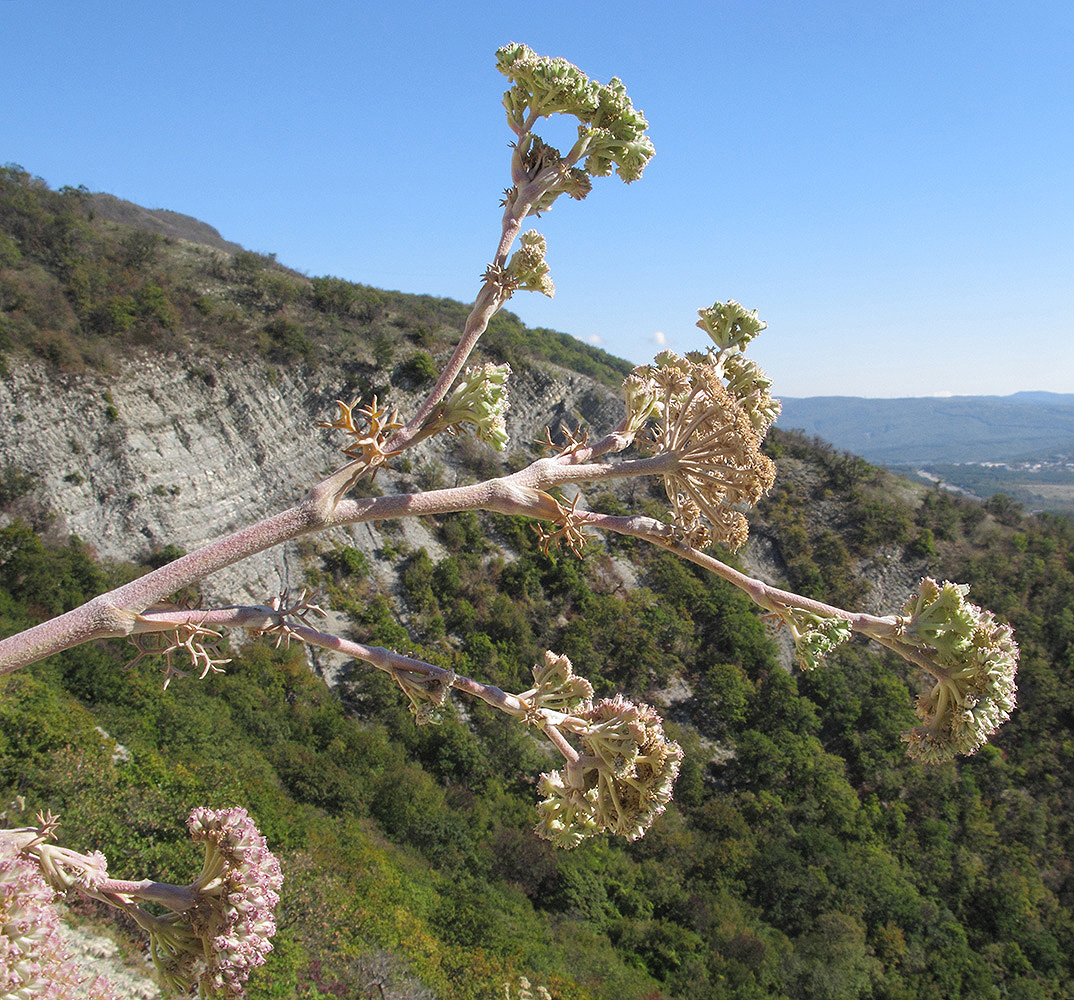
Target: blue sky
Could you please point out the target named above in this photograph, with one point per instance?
(891, 184)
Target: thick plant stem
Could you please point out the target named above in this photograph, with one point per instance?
(115, 613)
(882, 629)
(488, 303)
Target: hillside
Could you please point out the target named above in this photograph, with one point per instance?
(1021, 445)
(152, 399)
(925, 430)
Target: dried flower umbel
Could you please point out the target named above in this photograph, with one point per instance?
(712, 412)
(370, 427)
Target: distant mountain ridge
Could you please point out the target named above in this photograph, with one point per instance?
(922, 430)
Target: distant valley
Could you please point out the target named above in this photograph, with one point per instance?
(1021, 445)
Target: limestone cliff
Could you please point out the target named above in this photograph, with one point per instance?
(162, 453)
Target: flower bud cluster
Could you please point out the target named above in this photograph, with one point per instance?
(543, 85)
(748, 383)
(33, 962)
(557, 686)
(568, 812)
(974, 659)
(714, 433)
(237, 892)
(612, 131)
(642, 401)
(730, 325)
(480, 398)
(815, 636)
(615, 136)
(528, 269)
(621, 783)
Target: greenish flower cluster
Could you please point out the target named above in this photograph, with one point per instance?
(815, 636)
(748, 383)
(568, 813)
(975, 660)
(611, 133)
(479, 398)
(730, 325)
(622, 782)
(557, 686)
(642, 400)
(528, 269)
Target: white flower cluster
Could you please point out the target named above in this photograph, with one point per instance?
(479, 398)
(33, 962)
(622, 782)
(528, 269)
(557, 686)
(612, 130)
(976, 660)
(237, 891)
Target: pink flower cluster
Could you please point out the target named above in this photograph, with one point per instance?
(237, 891)
(33, 962)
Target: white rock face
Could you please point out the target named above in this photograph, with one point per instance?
(163, 452)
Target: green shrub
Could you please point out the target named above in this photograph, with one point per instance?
(15, 483)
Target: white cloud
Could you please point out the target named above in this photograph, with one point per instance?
(595, 339)
(659, 339)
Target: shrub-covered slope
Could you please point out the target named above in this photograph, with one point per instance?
(78, 290)
(804, 856)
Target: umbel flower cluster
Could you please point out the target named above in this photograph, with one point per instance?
(623, 778)
(226, 933)
(219, 929)
(712, 412)
(480, 400)
(620, 784)
(815, 636)
(237, 892)
(611, 131)
(973, 659)
(33, 962)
